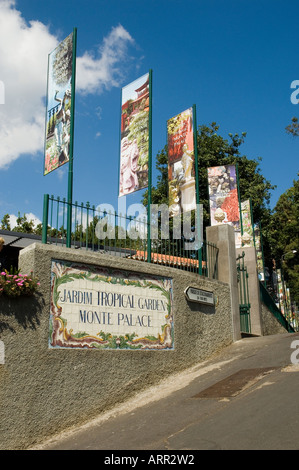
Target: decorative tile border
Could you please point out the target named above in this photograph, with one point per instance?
(103, 308)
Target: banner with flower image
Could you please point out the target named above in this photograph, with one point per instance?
(181, 173)
(59, 105)
(134, 146)
(224, 198)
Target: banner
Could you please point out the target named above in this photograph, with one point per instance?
(248, 235)
(181, 173)
(224, 199)
(259, 252)
(134, 147)
(280, 292)
(58, 108)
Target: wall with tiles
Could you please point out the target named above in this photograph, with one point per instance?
(51, 379)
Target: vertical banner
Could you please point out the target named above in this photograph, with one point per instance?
(248, 234)
(259, 252)
(135, 136)
(280, 292)
(288, 302)
(60, 94)
(181, 171)
(224, 199)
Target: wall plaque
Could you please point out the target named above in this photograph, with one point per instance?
(198, 295)
(101, 308)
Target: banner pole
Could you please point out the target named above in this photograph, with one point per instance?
(262, 249)
(239, 199)
(70, 173)
(149, 191)
(197, 215)
(252, 223)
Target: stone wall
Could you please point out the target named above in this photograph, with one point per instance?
(271, 325)
(46, 390)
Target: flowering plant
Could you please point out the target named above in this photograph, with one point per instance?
(15, 285)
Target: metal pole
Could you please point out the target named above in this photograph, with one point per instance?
(263, 259)
(45, 218)
(251, 219)
(197, 216)
(149, 201)
(70, 174)
(239, 198)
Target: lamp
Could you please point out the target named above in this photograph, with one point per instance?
(281, 259)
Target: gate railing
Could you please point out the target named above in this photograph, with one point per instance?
(123, 236)
(244, 303)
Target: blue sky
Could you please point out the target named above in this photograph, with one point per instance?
(234, 59)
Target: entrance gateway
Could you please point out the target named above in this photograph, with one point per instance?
(244, 304)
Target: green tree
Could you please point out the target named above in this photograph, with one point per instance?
(284, 237)
(24, 225)
(5, 222)
(215, 150)
(293, 128)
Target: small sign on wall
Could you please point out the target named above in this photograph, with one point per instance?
(102, 308)
(194, 294)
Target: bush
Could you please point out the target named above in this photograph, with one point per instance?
(15, 285)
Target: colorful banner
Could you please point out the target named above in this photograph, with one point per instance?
(58, 109)
(248, 235)
(280, 292)
(181, 174)
(259, 252)
(224, 199)
(134, 147)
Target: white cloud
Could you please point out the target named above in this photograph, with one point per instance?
(29, 216)
(23, 64)
(94, 74)
(24, 49)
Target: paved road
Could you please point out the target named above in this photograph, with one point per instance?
(247, 397)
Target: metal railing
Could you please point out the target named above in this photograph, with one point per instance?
(123, 236)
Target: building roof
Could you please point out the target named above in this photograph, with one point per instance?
(19, 239)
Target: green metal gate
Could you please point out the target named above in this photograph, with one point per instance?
(244, 303)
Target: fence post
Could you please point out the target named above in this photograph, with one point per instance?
(45, 218)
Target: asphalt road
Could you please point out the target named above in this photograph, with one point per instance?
(245, 398)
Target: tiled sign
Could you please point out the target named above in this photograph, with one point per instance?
(94, 307)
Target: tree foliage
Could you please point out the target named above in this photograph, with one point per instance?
(214, 150)
(293, 128)
(22, 224)
(284, 237)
